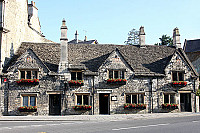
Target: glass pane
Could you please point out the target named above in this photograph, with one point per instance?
(32, 101)
(116, 75)
(166, 98)
(73, 75)
(28, 75)
(35, 74)
(25, 100)
(79, 99)
(141, 98)
(122, 74)
(85, 99)
(128, 98)
(134, 99)
(174, 76)
(172, 98)
(110, 74)
(180, 75)
(22, 75)
(79, 75)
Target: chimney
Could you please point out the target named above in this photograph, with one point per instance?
(63, 65)
(176, 38)
(85, 39)
(76, 36)
(141, 36)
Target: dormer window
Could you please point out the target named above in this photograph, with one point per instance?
(28, 74)
(116, 74)
(177, 76)
(76, 76)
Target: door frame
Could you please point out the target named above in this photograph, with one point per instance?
(108, 103)
(50, 104)
(190, 99)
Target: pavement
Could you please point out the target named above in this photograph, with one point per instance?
(115, 117)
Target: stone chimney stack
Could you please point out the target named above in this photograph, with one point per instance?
(76, 36)
(176, 38)
(63, 65)
(141, 36)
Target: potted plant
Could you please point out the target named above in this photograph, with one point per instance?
(76, 82)
(179, 83)
(116, 81)
(170, 106)
(82, 107)
(27, 81)
(27, 109)
(140, 106)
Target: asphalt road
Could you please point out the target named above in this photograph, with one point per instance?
(189, 124)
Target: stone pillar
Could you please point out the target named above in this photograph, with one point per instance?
(176, 38)
(141, 36)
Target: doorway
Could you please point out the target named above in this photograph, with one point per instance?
(55, 104)
(185, 100)
(104, 103)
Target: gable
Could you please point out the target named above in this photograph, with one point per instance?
(115, 61)
(28, 60)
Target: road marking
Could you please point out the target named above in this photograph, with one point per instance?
(52, 124)
(37, 125)
(67, 123)
(5, 128)
(117, 129)
(19, 126)
(195, 121)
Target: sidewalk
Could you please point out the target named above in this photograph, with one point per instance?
(115, 117)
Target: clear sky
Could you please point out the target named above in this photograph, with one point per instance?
(109, 21)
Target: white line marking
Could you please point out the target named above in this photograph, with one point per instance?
(141, 127)
(37, 125)
(52, 124)
(67, 123)
(19, 126)
(195, 121)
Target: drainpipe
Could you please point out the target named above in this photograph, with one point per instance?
(151, 95)
(93, 96)
(195, 96)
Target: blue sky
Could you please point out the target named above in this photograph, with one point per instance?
(109, 21)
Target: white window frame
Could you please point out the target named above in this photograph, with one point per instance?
(82, 94)
(169, 94)
(137, 95)
(26, 70)
(28, 95)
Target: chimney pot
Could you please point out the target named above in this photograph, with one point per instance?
(141, 36)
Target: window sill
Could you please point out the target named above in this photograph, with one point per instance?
(76, 83)
(116, 81)
(28, 82)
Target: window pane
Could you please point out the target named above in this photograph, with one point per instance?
(79, 75)
(79, 99)
(25, 100)
(134, 99)
(22, 75)
(35, 74)
(122, 74)
(32, 101)
(180, 75)
(28, 75)
(172, 98)
(174, 76)
(116, 75)
(166, 98)
(141, 98)
(73, 75)
(85, 99)
(110, 74)
(128, 98)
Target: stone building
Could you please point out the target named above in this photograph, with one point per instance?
(112, 79)
(19, 23)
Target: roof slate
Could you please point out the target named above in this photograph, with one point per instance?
(147, 60)
(192, 45)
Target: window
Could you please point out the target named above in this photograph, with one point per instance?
(135, 98)
(28, 74)
(116, 74)
(169, 98)
(82, 99)
(28, 100)
(76, 76)
(178, 76)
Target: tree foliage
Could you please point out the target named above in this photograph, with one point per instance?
(133, 37)
(165, 40)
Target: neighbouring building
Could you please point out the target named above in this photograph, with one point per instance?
(76, 78)
(19, 23)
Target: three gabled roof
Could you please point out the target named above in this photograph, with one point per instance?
(147, 60)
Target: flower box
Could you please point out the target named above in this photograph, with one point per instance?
(76, 83)
(28, 82)
(170, 106)
(116, 81)
(140, 106)
(82, 107)
(27, 109)
(179, 83)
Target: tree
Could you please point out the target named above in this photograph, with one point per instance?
(165, 40)
(133, 37)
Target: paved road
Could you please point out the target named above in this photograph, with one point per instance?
(189, 124)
